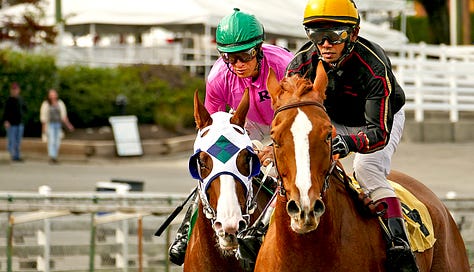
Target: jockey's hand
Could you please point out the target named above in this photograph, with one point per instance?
(266, 155)
(340, 146)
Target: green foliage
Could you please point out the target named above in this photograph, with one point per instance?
(35, 74)
(418, 29)
(155, 93)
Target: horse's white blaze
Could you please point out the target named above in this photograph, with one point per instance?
(228, 208)
(300, 129)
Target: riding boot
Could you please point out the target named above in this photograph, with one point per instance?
(177, 250)
(251, 239)
(400, 258)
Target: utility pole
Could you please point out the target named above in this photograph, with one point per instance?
(453, 21)
(60, 27)
(466, 22)
(59, 15)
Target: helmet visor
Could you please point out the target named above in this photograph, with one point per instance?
(243, 56)
(332, 35)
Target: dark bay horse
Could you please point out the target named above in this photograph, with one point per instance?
(224, 163)
(316, 226)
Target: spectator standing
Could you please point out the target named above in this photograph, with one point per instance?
(53, 115)
(13, 120)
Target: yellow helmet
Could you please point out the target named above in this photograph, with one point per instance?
(339, 11)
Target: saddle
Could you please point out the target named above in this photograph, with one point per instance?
(416, 215)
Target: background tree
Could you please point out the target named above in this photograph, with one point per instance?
(27, 31)
(438, 19)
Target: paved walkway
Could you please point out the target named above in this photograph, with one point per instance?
(443, 167)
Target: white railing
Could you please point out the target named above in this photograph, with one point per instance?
(435, 78)
(106, 231)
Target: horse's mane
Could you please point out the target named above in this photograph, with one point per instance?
(298, 86)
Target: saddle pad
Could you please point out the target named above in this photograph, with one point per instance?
(418, 218)
(416, 215)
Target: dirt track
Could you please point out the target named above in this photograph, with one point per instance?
(442, 167)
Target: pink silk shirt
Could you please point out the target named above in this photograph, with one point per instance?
(224, 88)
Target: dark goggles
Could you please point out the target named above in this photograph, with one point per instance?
(243, 56)
(332, 35)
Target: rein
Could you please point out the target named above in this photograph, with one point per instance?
(333, 162)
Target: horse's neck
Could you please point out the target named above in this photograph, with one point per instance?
(203, 239)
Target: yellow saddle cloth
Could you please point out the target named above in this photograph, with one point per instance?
(417, 218)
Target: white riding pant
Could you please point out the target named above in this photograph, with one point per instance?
(371, 169)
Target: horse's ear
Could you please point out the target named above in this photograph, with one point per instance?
(201, 115)
(273, 85)
(241, 113)
(321, 81)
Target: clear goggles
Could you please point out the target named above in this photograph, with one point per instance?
(332, 35)
(243, 56)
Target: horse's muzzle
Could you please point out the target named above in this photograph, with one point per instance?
(304, 220)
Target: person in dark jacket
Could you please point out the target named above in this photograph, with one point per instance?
(364, 102)
(13, 122)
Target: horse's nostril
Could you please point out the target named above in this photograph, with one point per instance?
(217, 225)
(242, 225)
(319, 207)
(292, 207)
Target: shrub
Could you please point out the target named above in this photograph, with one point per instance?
(157, 94)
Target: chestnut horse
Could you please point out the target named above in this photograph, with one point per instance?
(316, 226)
(224, 163)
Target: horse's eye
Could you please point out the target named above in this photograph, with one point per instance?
(248, 158)
(275, 143)
(244, 162)
(201, 164)
(329, 137)
(204, 164)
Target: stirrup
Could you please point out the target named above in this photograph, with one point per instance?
(401, 259)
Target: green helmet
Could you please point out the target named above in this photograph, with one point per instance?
(238, 31)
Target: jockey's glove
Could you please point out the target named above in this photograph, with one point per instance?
(342, 145)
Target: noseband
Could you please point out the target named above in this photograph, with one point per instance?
(333, 162)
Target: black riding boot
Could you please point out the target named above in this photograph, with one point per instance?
(400, 258)
(177, 250)
(250, 239)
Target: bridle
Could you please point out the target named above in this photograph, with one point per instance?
(333, 162)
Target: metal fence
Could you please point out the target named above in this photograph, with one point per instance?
(106, 231)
